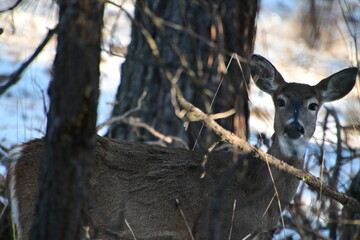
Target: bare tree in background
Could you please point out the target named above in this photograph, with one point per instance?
(70, 137)
(317, 22)
(198, 39)
(350, 229)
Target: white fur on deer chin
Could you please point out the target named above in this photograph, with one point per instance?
(14, 156)
(293, 148)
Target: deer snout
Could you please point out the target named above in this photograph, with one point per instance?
(294, 130)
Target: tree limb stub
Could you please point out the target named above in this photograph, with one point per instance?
(313, 182)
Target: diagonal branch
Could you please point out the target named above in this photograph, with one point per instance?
(194, 113)
(15, 76)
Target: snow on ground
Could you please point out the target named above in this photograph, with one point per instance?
(22, 108)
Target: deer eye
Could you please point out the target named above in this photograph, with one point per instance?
(313, 106)
(280, 102)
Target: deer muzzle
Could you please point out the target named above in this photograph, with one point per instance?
(294, 130)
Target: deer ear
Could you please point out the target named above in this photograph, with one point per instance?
(337, 85)
(265, 75)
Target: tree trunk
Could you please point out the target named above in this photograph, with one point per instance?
(205, 37)
(5, 214)
(70, 135)
(349, 229)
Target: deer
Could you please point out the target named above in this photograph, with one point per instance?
(147, 192)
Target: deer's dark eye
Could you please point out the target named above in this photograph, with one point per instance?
(313, 106)
(280, 102)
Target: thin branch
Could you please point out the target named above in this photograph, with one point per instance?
(125, 119)
(15, 76)
(134, 123)
(276, 194)
(119, 119)
(213, 99)
(155, 133)
(222, 114)
(132, 232)
(186, 222)
(232, 219)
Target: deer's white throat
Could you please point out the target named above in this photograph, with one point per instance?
(292, 148)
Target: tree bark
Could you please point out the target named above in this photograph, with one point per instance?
(70, 136)
(5, 214)
(349, 229)
(201, 44)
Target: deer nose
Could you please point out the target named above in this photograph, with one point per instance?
(294, 130)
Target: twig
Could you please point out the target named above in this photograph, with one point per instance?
(186, 222)
(135, 123)
(132, 232)
(213, 99)
(232, 219)
(167, 139)
(276, 195)
(118, 119)
(45, 108)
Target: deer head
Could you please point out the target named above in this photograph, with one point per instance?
(296, 104)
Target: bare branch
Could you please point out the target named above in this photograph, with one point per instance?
(167, 139)
(223, 114)
(314, 183)
(119, 119)
(15, 76)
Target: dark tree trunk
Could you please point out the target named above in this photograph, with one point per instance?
(220, 28)
(70, 136)
(6, 232)
(351, 230)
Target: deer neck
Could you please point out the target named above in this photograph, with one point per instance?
(289, 151)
